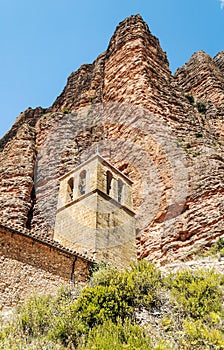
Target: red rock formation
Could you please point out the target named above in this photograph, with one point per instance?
(17, 161)
(129, 104)
(203, 78)
(219, 60)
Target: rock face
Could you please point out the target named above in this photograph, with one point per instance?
(165, 132)
(203, 78)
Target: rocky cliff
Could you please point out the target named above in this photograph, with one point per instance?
(169, 128)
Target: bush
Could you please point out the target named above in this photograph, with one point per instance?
(197, 293)
(182, 311)
(190, 98)
(50, 318)
(199, 135)
(66, 111)
(66, 328)
(201, 106)
(218, 247)
(36, 316)
(139, 286)
(195, 154)
(117, 293)
(117, 336)
(100, 303)
(198, 335)
(220, 244)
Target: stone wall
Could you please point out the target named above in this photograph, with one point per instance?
(28, 266)
(116, 235)
(97, 221)
(76, 224)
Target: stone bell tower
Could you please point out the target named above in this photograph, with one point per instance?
(95, 212)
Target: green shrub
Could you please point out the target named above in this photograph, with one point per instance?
(91, 99)
(50, 317)
(201, 106)
(114, 295)
(197, 293)
(139, 286)
(66, 327)
(197, 335)
(219, 244)
(184, 312)
(66, 111)
(100, 303)
(195, 154)
(36, 315)
(117, 336)
(218, 247)
(190, 98)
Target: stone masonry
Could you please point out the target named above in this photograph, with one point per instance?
(30, 266)
(95, 213)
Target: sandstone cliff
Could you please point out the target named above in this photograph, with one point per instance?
(169, 128)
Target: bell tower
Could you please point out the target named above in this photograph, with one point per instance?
(95, 212)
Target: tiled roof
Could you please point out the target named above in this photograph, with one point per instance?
(43, 239)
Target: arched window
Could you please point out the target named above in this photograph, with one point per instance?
(119, 190)
(70, 189)
(82, 183)
(109, 180)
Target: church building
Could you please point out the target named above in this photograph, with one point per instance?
(95, 212)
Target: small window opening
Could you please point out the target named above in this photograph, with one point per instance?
(120, 189)
(70, 189)
(109, 180)
(82, 182)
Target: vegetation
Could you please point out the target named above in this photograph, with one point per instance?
(201, 106)
(195, 154)
(190, 98)
(199, 135)
(66, 111)
(91, 99)
(217, 249)
(182, 310)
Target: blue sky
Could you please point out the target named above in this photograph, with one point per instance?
(43, 41)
